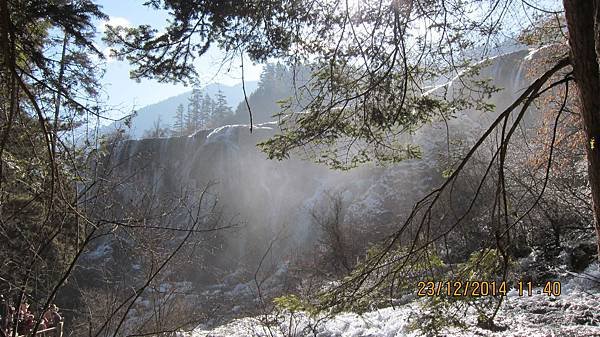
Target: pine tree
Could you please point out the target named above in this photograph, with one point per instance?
(221, 110)
(207, 110)
(179, 125)
(48, 86)
(193, 119)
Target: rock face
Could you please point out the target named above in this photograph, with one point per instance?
(269, 195)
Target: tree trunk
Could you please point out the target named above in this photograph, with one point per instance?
(583, 23)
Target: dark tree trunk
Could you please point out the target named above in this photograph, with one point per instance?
(583, 22)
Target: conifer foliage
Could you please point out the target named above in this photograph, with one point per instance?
(203, 112)
(48, 87)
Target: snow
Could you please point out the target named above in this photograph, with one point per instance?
(574, 313)
(224, 132)
(533, 51)
(588, 280)
(450, 82)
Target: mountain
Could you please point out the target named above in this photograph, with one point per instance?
(165, 110)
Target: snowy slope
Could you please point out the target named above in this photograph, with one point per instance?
(524, 316)
(576, 312)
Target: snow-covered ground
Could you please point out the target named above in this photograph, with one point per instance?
(576, 312)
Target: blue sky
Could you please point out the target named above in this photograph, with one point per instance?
(125, 94)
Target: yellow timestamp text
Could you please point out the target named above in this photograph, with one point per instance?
(461, 288)
(483, 288)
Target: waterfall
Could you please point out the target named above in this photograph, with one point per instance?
(268, 195)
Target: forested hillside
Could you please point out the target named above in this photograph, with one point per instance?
(164, 113)
(278, 87)
(200, 110)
